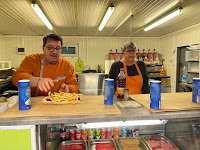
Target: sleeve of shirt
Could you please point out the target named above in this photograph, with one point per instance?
(25, 70)
(71, 80)
(145, 87)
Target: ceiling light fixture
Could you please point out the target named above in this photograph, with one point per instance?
(39, 12)
(106, 17)
(168, 17)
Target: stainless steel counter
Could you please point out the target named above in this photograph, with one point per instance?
(126, 114)
(91, 83)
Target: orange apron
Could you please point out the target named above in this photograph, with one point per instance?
(133, 83)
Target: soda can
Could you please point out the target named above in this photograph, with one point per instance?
(196, 90)
(90, 134)
(109, 91)
(24, 94)
(116, 132)
(78, 134)
(124, 132)
(155, 94)
(67, 134)
(126, 94)
(84, 135)
(109, 133)
(129, 132)
(136, 133)
(72, 134)
(103, 133)
(97, 134)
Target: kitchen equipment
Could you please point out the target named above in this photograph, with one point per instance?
(158, 141)
(78, 144)
(79, 65)
(4, 65)
(91, 83)
(107, 144)
(3, 107)
(6, 81)
(108, 64)
(131, 143)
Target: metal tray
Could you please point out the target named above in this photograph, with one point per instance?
(131, 143)
(64, 145)
(92, 143)
(158, 138)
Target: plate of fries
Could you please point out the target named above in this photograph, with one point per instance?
(62, 98)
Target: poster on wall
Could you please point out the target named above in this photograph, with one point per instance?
(70, 50)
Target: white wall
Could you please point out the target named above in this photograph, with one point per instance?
(170, 42)
(92, 50)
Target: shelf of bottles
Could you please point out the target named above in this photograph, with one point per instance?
(149, 58)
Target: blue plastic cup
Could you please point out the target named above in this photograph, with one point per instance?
(155, 95)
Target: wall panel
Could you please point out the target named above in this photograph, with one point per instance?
(92, 50)
(170, 42)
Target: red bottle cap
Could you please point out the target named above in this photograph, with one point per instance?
(121, 69)
(62, 124)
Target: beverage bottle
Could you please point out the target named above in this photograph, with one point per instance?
(52, 131)
(62, 132)
(121, 84)
(184, 77)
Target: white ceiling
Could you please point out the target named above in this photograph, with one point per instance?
(83, 17)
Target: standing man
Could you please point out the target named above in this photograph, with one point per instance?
(135, 71)
(47, 71)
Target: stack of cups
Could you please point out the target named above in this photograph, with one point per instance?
(155, 94)
(196, 90)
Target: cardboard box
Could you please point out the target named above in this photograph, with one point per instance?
(165, 81)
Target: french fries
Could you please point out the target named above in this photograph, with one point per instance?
(65, 98)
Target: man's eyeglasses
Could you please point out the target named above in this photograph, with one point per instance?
(130, 51)
(51, 48)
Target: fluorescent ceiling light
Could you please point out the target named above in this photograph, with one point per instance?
(106, 17)
(39, 12)
(168, 17)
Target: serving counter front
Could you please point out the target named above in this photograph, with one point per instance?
(93, 110)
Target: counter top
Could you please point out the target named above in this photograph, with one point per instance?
(127, 114)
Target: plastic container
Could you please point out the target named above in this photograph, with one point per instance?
(78, 144)
(131, 143)
(158, 141)
(108, 144)
(121, 84)
(185, 73)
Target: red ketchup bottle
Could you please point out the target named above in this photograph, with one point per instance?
(121, 84)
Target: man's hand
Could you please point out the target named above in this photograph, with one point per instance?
(45, 84)
(65, 88)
